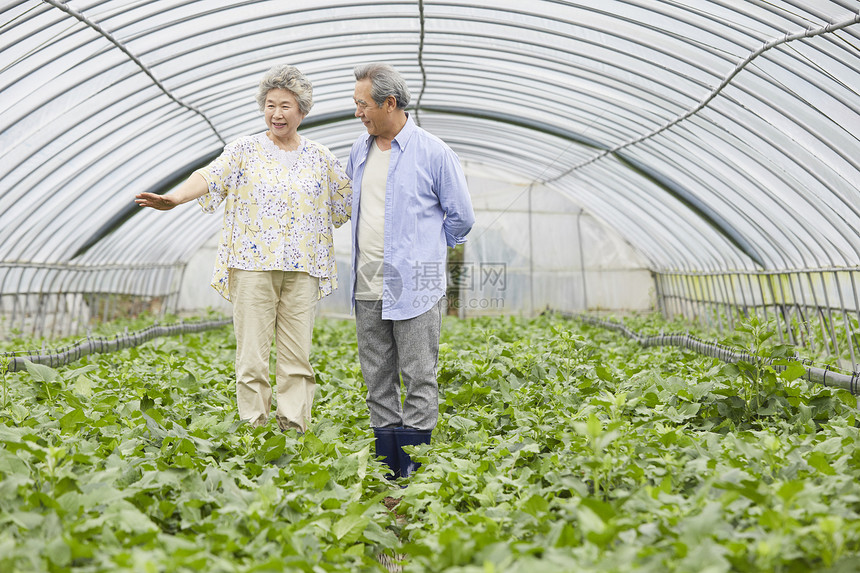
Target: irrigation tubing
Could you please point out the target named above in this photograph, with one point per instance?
(95, 345)
(826, 375)
(100, 344)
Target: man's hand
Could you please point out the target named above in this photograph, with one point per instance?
(160, 202)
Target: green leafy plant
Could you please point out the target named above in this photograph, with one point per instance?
(769, 369)
(5, 360)
(559, 447)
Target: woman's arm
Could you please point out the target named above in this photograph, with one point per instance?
(340, 189)
(193, 187)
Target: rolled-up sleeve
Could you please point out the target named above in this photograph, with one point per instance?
(340, 192)
(221, 175)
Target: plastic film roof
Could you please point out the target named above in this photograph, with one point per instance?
(709, 134)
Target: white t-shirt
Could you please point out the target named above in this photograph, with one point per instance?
(371, 225)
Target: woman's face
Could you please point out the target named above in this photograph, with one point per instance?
(283, 115)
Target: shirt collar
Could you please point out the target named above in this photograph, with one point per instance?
(405, 134)
(402, 138)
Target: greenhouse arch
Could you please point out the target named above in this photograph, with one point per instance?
(616, 330)
(710, 142)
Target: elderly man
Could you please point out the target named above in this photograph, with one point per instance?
(411, 200)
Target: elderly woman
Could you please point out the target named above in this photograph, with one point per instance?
(282, 194)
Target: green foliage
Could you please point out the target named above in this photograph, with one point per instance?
(560, 447)
(4, 366)
(136, 461)
(765, 374)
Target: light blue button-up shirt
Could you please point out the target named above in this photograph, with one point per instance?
(427, 208)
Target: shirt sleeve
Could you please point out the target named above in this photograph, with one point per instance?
(455, 200)
(340, 191)
(221, 175)
(350, 163)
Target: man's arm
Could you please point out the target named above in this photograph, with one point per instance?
(456, 202)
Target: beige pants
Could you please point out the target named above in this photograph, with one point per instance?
(267, 303)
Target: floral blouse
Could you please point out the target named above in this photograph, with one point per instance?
(279, 211)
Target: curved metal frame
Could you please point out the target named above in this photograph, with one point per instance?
(623, 100)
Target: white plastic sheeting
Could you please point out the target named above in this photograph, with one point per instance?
(533, 249)
(709, 135)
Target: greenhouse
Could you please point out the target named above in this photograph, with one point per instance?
(649, 356)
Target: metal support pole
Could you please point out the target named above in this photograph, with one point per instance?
(581, 253)
(752, 294)
(776, 306)
(693, 298)
(819, 314)
(787, 312)
(763, 297)
(731, 298)
(803, 309)
(658, 293)
(845, 320)
(715, 303)
(831, 331)
(673, 296)
(531, 258)
(855, 337)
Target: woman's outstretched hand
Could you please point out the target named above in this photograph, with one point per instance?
(194, 187)
(160, 202)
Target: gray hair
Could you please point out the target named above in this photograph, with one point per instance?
(384, 81)
(286, 77)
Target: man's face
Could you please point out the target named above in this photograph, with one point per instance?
(374, 117)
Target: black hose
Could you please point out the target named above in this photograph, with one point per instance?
(94, 345)
(826, 376)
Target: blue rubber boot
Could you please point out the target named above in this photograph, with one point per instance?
(410, 437)
(387, 448)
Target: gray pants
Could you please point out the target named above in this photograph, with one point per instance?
(389, 348)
